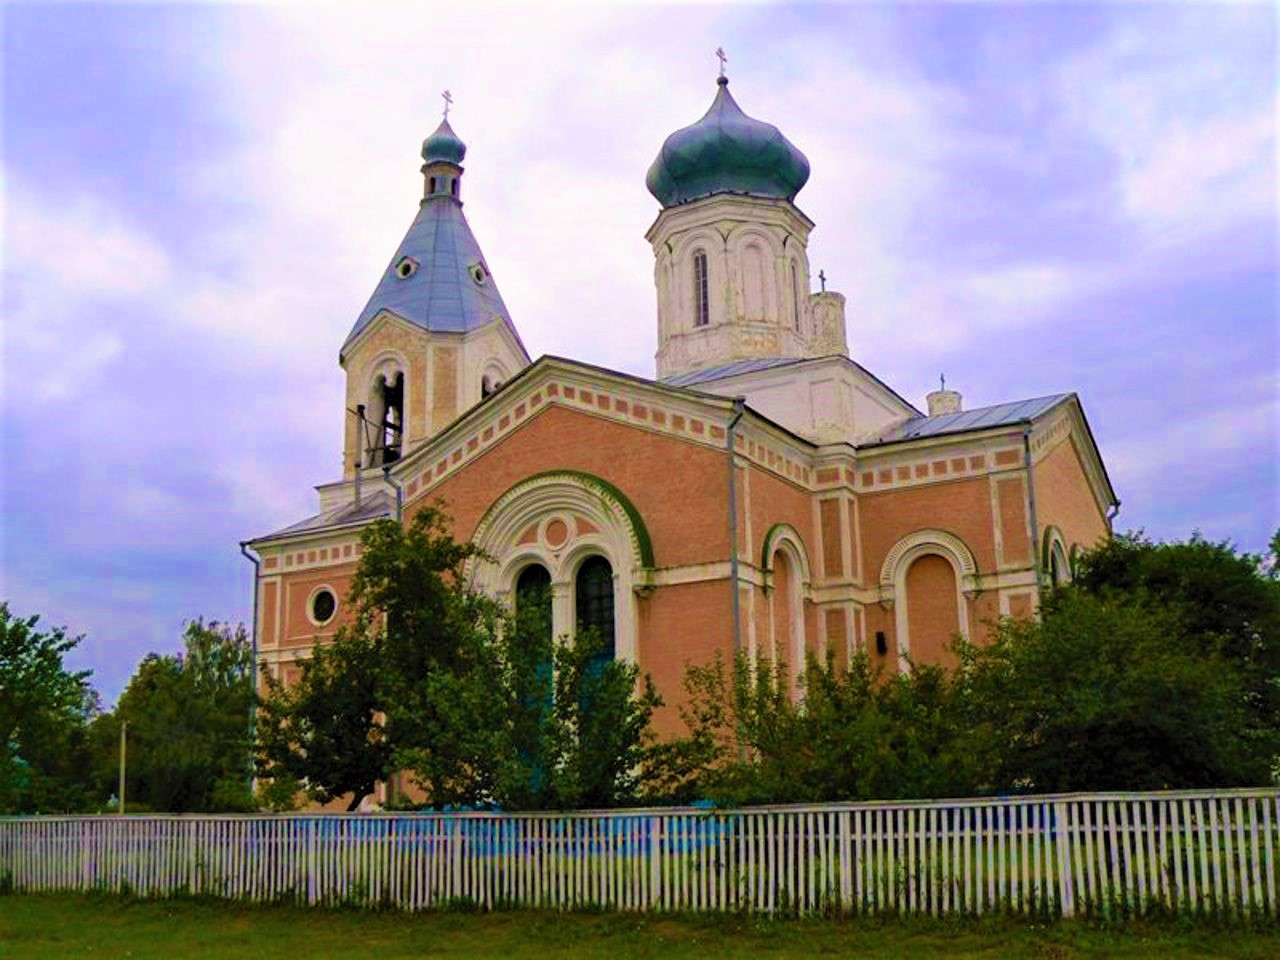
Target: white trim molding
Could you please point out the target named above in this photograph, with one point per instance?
(893, 579)
(613, 530)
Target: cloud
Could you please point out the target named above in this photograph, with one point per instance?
(1188, 116)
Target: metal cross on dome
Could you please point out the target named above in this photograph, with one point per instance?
(722, 58)
(822, 279)
(448, 102)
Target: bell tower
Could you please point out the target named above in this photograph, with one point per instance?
(730, 246)
(435, 338)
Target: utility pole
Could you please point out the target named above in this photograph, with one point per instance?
(124, 728)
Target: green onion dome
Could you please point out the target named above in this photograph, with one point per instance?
(444, 145)
(726, 152)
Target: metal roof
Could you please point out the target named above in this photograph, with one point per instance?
(371, 507)
(983, 418)
(441, 291)
(722, 370)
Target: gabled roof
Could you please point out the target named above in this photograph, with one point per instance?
(373, 506)
(441, 292)
(966, 421)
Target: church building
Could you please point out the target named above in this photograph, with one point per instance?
(762, 492)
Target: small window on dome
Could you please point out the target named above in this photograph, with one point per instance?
(406, 268)
(479, 273)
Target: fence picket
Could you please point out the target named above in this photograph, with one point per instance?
(1065, 856)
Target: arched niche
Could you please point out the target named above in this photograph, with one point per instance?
(893, 580)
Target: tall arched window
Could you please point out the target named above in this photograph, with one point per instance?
(788, 620)
(701, 302)
(795, 295)
(594, 598)
(533, 595)
(533, 613)
(383, 427)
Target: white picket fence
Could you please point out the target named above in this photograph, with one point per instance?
(1186, 852)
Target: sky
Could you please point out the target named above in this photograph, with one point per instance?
(198, 201)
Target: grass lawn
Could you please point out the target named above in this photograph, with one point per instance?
(35, 927)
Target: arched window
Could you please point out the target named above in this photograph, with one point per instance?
(453, 186)
(701, 301)
(795, 295)
(533, 596)
(1059, 566)
(788, 619)
(431, 184)
(383, 426)
(594, 600)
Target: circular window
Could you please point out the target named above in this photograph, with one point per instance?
(323, 606)
(406, 268)
(478, 272)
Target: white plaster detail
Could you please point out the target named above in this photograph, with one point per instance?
(893, 579)
(311, 605)
(562, 496)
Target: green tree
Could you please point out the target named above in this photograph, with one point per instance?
(44, 709)
(1226, 604)
(854, 734)
(478, 705)
(1116, 693)
(189, 747)
(323, 735)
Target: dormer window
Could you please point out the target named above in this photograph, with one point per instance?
(701, 301)
(406, 268)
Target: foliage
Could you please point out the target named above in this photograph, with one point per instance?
(478, 705)
(322, 735)
(855, 734)
(188, 715)
(1104, 693)
(44, 757)
(1225, 605)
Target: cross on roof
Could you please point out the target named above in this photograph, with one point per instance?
(822, 279)
(722, 58)
(448, 102)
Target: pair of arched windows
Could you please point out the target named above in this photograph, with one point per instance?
(593, 598)
(450, 182)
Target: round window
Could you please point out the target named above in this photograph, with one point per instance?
(323, 606)
(406, 268)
